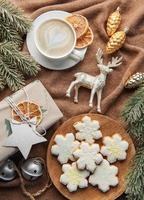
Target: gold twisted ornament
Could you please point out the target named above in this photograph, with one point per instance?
(113, 22)
(116, 41)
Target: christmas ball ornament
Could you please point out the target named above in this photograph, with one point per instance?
(32, 169)
(135, 80)
(116, 41)
(113, 22)
(7, 171)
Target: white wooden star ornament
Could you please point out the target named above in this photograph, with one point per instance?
(23, 136)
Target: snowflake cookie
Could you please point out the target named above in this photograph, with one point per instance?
(104, 176)
(114, 148)
(88, 156)
(88, 130)
(74, 178)
(64, 147)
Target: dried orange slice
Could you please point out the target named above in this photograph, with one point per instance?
(80, 24)
(30, 110)
(85, 40)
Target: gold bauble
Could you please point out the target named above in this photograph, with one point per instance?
(113, 22)
(116, 41)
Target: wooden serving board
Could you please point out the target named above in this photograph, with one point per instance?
(108, 128)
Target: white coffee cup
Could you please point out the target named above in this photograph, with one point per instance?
(52, 33)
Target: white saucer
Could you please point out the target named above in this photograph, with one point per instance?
(42, 60)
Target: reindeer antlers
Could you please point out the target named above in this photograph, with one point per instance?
(115, 62)
(99, 55)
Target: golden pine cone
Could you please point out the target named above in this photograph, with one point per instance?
(116, 41)
(113, 22)
(135, 80)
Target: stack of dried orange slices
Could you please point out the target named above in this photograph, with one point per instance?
(83, 31)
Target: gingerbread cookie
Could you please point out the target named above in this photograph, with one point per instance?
(88, 156)
(64, 147)
(88, 130)
(104, 176)
(73, 178)
(114, 148)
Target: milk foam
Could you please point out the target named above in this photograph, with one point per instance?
(55, 38)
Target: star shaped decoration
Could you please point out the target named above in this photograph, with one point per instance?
(23, 137)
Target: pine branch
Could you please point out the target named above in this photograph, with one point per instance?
(14, 79)
(136, 130)
(15, 58)
(8, 33)
(13, 63)
(134, 108)
(133, 115)
(135, 179)
(12, 15)
(26, 64)
(2, 83)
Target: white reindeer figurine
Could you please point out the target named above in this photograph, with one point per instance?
(94, 83)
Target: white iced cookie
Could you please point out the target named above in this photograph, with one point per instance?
(73, 178)
(88, 130)
(114, 148)
(88, 156)
(104, 176)
(64, 147)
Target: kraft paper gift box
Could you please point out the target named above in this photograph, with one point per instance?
(38, 94)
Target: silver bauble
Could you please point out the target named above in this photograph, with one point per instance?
(32, 169)
(7, 170)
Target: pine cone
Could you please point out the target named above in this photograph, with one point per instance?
(135, 80)
(113, 22)
(116, 41)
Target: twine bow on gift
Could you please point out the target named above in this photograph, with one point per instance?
(24, 118)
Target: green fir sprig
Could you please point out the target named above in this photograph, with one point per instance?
(12, 77)
(12, 15)
(14, 58)
(133, 115)
(2, 83)
(135, 179)
(8, 33)
(14, 65)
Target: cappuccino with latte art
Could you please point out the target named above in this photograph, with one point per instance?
(55, 38)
